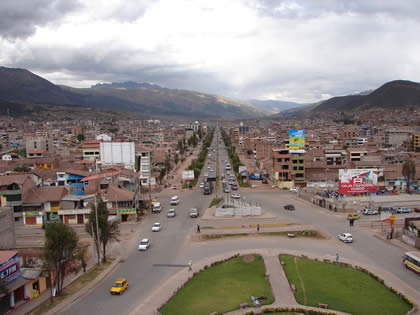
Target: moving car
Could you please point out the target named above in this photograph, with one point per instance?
(144, 244)
(171, 213)
(174, 200)
(236, 196)
(120, 285)
(367, 211)
(293, 189)
(289, 207)
(201, 185)
(193, 212)
(345, 237)
(226, 189)
(156, 227)
(156, 206)
(403, 210)
(353, 216)
(234, 187)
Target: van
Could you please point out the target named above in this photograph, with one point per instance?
(156, 206)
(174, 200)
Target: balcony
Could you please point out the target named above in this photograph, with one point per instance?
(10, 192)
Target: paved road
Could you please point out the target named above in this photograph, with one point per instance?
(173, 246)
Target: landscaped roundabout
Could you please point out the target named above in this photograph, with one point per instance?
(231, 285)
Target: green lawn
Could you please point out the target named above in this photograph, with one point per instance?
(343, 289)
(221, 288)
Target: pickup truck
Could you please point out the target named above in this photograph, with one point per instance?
(193, 212)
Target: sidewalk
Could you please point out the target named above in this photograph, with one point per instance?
(280, 286)
(31, 305)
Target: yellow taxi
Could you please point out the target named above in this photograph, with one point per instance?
(119, 286)
(353, 216)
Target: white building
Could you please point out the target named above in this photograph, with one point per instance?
(103, 137)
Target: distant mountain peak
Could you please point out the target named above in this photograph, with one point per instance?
(127, 85)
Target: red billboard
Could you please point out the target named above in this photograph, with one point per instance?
(358, 181)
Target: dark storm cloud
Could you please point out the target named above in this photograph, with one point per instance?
(118, 65)
(19, 18)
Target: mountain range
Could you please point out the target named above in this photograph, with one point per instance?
(24, 87)
(23, 91)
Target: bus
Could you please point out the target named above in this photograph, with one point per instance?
(411, 260)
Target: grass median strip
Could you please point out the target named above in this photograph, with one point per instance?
(342, 288)
(215, 202)
(247, 226)
(221, 288)
(302, 234)
(72, 288)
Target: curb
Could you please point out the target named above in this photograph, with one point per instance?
(66, 303)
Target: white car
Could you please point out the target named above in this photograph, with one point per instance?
(236, 196)
(293, 189)
(345, 237)
(370, 211)
(201, 185)
(171, 213)
(144, 244)
(156, 227)
(403, 210)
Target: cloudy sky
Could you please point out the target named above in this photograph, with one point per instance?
(301, 51)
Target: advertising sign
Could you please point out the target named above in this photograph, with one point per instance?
(10, 270)
(357, 181)
(297, 139)
(241, 169)
(126, 211)
(188, 175)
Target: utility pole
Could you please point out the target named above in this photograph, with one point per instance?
(97, 231)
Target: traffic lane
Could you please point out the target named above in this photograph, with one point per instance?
(378, 252)
(139, 267)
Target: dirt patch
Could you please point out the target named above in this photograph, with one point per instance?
(248, 259)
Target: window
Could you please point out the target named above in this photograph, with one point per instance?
(294, 161)
(279, 159)
(301, 168)
(72, 217)
(300, 175)
(295, 168)
(285, 167)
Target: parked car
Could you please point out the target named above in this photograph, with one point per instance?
(403, 210)
(144, 244)
(156, 227)
(346, 237)
(236, 196)
(201, 185)
(417, 209)
(367, 211)
(353, 216)
(289, 207)
(293, 189)
(386, 209)
(171, 213)
(120, 285)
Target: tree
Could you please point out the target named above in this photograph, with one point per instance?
(23, 169)
(409, 171)
(108, 231)
(176, 158)
(168, 165)
(162, 174)
(80, 137)
(61, 242)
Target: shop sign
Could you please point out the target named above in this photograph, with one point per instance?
(126, 211)
(33, 214)
(10, 270)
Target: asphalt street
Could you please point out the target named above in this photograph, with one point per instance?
(148, 270)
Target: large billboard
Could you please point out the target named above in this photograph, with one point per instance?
(121, 153)
(296, 139)
(358, 181)
(188, 175)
